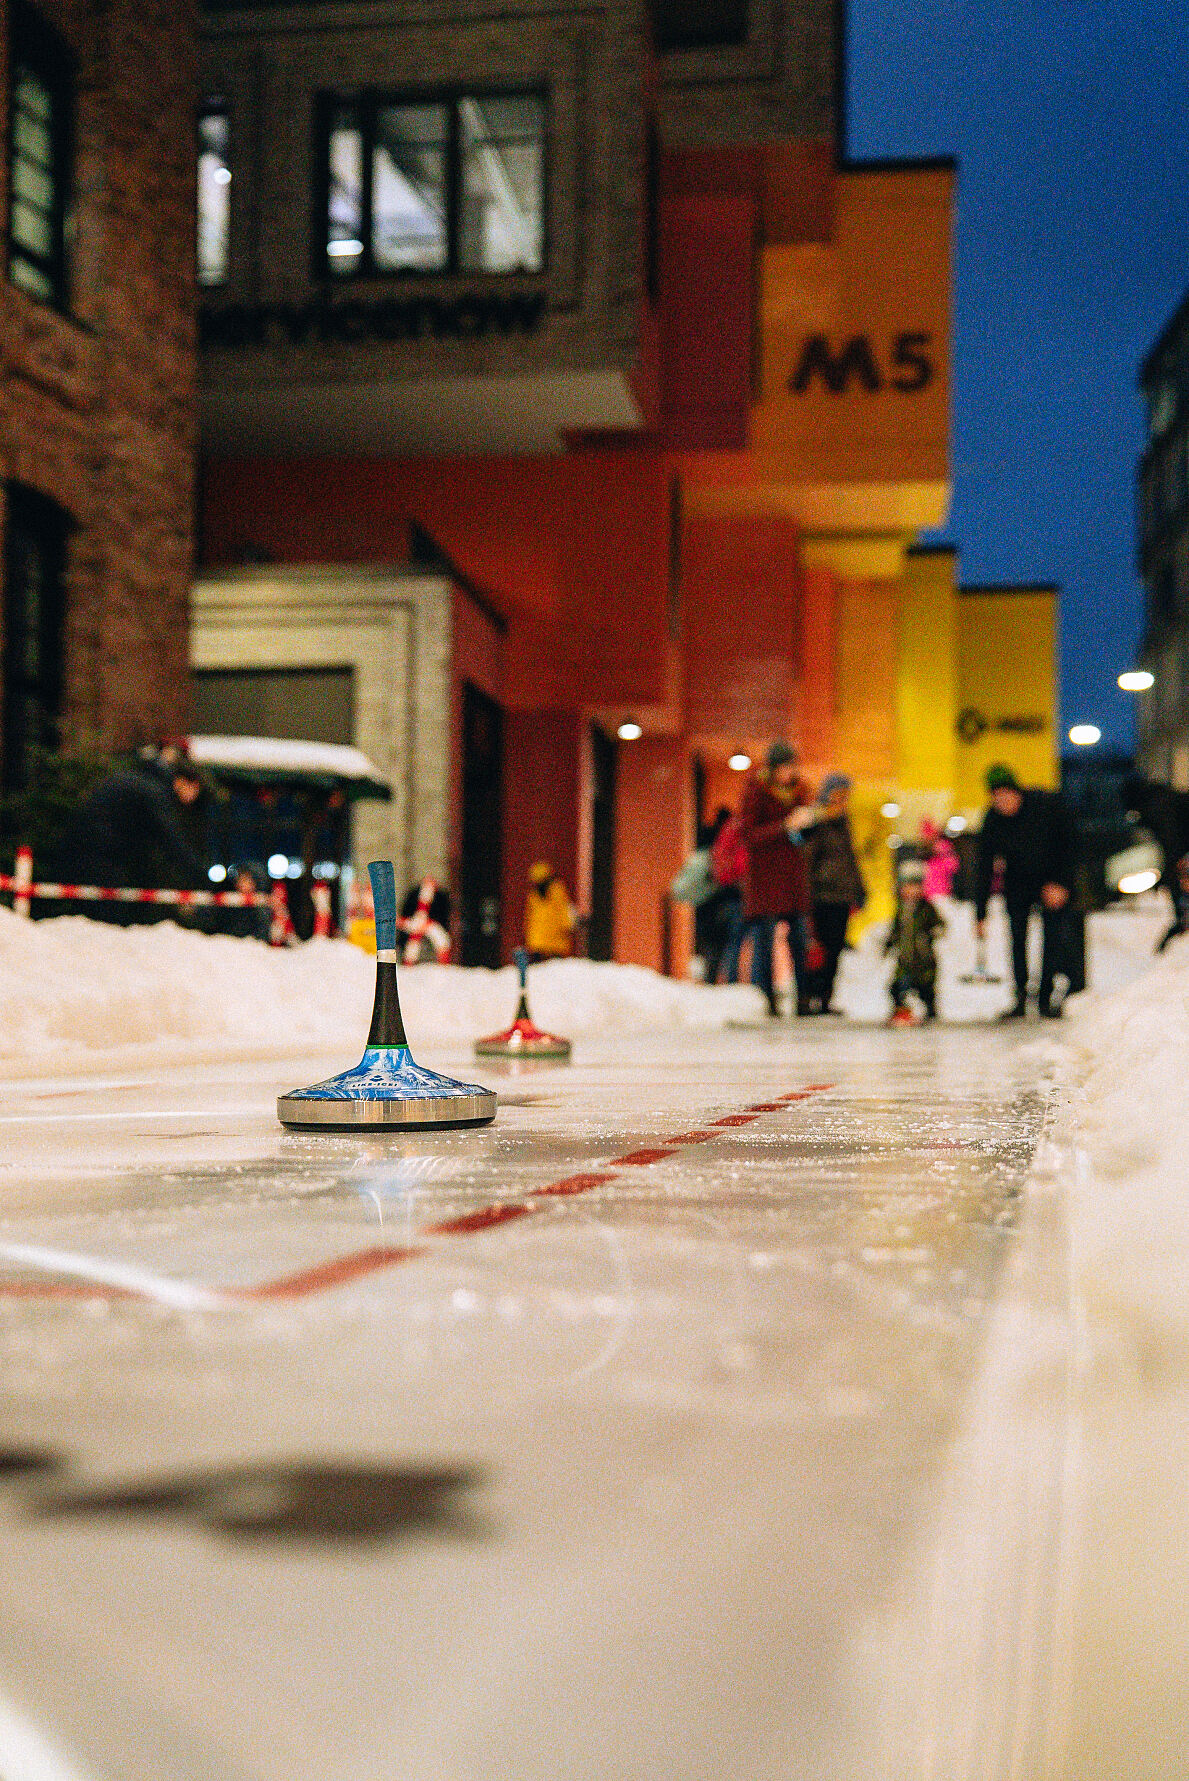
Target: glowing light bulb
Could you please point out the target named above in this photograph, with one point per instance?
(1136, 680)
(1085, 735)
(890, 810)
(629, 732)
(740, 762)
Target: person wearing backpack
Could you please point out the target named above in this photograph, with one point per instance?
(718, 925)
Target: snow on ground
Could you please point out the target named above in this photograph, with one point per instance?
(1132, 1122)
(77, 992)
(1127, 1133)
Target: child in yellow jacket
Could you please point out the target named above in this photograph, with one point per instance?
(548, 915)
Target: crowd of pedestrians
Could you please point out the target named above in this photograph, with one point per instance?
(786, 861)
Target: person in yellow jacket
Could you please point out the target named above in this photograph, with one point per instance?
(548, 915)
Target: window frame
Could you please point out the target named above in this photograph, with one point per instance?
(367, 102)
(34, 43)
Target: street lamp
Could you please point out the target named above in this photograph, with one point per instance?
(1136, 680)
(1085, 735)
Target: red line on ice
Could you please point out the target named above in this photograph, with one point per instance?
(324, 1276)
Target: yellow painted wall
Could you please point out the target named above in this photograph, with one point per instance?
(1007, 669)
(927, 680)
(865, 670)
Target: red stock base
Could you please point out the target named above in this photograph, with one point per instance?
(523, 1039)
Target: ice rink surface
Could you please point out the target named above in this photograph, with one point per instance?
(666, 1428)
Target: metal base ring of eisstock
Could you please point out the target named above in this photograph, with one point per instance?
(428, 1114)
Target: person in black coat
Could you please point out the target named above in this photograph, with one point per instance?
(1031, 832)
(130, 832)
(1165, 811)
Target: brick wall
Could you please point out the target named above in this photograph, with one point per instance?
(268, 64)
(97, 406)
(778, 85)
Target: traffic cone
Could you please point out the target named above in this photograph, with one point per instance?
(523, 1038)
(386, 1088)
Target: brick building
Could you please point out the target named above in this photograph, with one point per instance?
(97, 370)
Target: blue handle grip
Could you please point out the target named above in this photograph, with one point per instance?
(384, 898)
(520, 960)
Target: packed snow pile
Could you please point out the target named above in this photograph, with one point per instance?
(1132, 1119)
(73, 991)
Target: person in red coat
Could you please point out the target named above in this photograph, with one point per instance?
(775, 806)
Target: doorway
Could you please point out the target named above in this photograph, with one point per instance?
(482, 828)
(603, 753)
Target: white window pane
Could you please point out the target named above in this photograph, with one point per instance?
(32, 140)
(33, 183)
(409, 229)
(31, 279)
(31, 95)
(501, 224)
(31, 228)
(344, 219)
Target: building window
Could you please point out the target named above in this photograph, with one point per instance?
(214, 193)
(40, 111)
(34, 613)
(451, 183)
(698, 24)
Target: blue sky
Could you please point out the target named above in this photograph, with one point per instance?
(1070, 120)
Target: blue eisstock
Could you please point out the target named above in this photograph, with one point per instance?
(387, 1070)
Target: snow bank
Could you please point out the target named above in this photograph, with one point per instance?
(74, 991)
(1132, 1123)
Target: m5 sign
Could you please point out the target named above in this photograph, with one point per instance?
(907, 365)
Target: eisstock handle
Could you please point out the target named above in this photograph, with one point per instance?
(520, 960)
(383, 880)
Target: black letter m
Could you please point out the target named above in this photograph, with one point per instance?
(856, 359)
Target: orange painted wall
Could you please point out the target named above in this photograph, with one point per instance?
(653, 833)
(815, 699)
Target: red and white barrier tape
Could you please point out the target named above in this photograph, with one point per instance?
(281, 931)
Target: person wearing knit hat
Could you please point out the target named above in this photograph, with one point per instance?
(912, 936)
(836, 884)
(776, 885)
(1000, 778)
(1031, 832)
